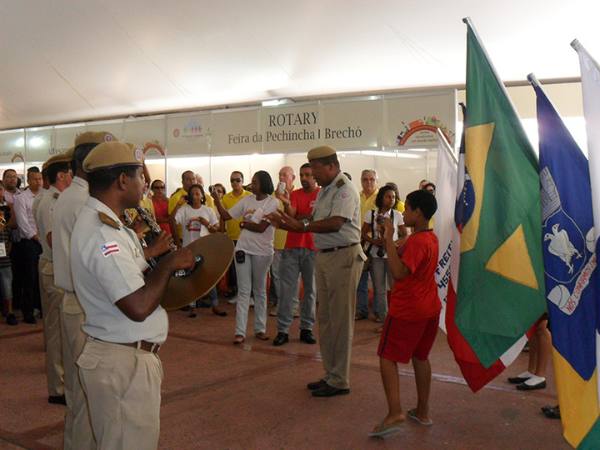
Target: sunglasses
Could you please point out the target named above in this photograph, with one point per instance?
(236, 180)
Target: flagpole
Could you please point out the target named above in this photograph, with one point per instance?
(469, 23)
(533, 80)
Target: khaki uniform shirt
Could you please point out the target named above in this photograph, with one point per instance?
(108, 264)
(66, 210)
(339, 198)
(43, 217)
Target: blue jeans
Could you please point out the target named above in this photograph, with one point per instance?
(295, 261)
(362, 295)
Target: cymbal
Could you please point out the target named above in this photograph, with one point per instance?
(216, 251)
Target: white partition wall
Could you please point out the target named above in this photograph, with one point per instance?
(395, 135)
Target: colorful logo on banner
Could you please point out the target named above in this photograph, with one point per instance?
(191, 129)
(149, 146)
(423, 132)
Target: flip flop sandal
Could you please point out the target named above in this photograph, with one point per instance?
(385, 431)
(413, 415)
(238, 340)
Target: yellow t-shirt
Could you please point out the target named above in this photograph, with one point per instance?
(233, 226)
(400, 206)
(280, 235)
(367, 204)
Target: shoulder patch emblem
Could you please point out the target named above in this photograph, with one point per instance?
(340, 183)
(109, 248)
(107, 220)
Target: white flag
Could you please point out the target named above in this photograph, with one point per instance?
(590, 83)
(445, 228)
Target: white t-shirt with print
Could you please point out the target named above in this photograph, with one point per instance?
(191, 227)
(253, 210)
(397, 221)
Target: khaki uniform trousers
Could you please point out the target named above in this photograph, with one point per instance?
(337, 274)
(78, 430)
(51, 297)
(122, 385)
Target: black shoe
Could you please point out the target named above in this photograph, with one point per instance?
(11, 319)
(527, 387)
(316, 385)
(185, 308)
(280, 339)
(307, 336)
(57, 400)
(192, 314)
(217, 312)
(29, 319)
(517, 380)
(329, 391)
(551, 412)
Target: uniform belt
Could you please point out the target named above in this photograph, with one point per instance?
(151, 347)
(334, 249)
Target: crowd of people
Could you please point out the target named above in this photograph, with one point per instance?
(73, 250)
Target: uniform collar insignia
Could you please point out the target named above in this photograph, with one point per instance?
(340, 183)
(56, 194)
(107, 220)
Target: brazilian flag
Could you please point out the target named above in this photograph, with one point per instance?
(501, 278)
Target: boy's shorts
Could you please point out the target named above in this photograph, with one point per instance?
(402, 340)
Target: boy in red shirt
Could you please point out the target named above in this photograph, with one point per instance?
(412, 321)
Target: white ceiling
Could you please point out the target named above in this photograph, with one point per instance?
(67, 60)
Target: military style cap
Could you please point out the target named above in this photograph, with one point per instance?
(60, 158)
(70, 153)
(112, 154)
(94, 137)
(320, 152)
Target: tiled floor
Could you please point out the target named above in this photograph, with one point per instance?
(220, 396)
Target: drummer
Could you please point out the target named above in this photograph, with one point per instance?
(119, 367)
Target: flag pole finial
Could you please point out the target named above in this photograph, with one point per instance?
(533, 80)
(575, 44)
(467, 20)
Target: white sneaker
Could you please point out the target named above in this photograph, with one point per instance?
(232, 301)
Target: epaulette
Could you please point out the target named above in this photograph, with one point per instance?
(56, 194)
(340, 183)
(107, 220)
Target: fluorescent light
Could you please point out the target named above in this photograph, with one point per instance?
(390, 154)
(277, 102)
(35, 142)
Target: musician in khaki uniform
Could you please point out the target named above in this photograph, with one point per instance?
(78, 431)
(58, 172)
(119, 367)
(335, 226)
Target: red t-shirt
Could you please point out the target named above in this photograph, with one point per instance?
(161, 211)
(416, 296)
(304, 203)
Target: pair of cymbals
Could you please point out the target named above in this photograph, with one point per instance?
(216, 251)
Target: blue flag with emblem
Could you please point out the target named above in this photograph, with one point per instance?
(572, 281)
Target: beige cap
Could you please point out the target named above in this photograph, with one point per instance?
(60, 158)
(112, 154)
(94, 137)
(70, 153)
(320, 152)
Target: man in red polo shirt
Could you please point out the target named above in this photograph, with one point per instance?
(298, 258)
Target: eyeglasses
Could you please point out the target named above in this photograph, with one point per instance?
(236, 180)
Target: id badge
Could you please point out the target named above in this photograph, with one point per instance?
(2, 250)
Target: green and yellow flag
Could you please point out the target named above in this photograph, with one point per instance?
(501, 280)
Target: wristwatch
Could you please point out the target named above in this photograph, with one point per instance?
(305, 224)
